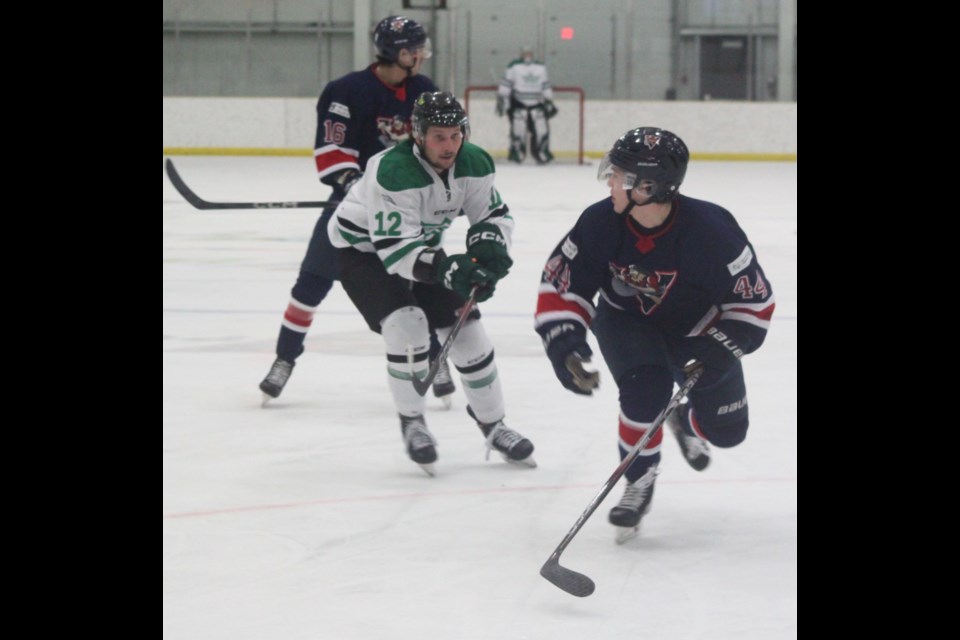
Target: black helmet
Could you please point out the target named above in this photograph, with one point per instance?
(438, 109)
(650, 154)
(396, 33)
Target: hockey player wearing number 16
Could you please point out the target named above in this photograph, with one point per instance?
(358, 115)
(678, 282)
(389, 231)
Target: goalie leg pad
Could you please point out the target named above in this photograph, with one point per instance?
(518, 135)
(540, 136)
(405, 331)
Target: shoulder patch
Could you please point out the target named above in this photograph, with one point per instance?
(741, 262)
(340, 109)
(473, 162)
(400, 170)
(569, 249)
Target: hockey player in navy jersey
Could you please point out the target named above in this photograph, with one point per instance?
(390, 232)
(679, 283)
(358, 115)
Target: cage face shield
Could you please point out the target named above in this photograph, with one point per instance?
(614, 176)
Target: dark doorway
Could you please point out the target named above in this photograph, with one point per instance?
(723, 68)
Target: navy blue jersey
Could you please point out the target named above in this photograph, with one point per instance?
(359, 116)
(695, 271)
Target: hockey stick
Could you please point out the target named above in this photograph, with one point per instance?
(200, 203)
(421, 386)
(576, 583)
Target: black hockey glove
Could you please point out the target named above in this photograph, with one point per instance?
(460, 273)
(348, 178)
(567, 348)
(501, 106)
(718, 353)
(486, 244)
(549, 109)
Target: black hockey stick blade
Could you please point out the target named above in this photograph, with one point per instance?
(578, 584)
(422, 386)
(570, 581)
(200, 203)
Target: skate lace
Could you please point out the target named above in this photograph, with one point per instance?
(417, 435)
(695, 446)
(279, 372)
(636, 492)
(443, 373)
(502, 437)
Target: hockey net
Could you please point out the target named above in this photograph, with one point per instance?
(492, 133)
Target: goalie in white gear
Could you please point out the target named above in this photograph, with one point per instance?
(526, 97)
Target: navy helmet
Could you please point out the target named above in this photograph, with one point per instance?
(651, 158)
(396, 33)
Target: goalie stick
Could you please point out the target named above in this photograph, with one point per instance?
(576, 583)
(200, 203)
(421, 386)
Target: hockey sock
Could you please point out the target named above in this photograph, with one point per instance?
(644, 392)
(472, 354)
(406, 329)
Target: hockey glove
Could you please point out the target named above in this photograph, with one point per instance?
(567, 348)
(501, 106)
(460, 273)
(348, 178)
(718, 353)
(486, 245)
(549, 109)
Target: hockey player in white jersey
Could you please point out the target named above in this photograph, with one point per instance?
(526, 97)
(389, 231)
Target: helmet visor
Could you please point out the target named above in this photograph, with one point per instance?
(614, 176)
(423, 51)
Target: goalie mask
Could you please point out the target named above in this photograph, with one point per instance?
(651, 160)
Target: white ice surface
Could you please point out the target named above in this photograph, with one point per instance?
(306, 519)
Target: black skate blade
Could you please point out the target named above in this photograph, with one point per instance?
(574, 583)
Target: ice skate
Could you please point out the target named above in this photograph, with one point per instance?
(276, 379)
(544, 157)
(695, 450)
(443, 386)
(421, 446)
(514, 448)
(634, 504)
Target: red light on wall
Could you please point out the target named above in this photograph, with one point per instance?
(566, 33)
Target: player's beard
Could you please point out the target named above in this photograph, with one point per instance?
(442, 164)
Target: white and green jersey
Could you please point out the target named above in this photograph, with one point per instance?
(526, 82)
(402, 207)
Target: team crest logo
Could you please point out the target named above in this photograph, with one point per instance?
(393, 130)
(648, 288)
(651, 140)
(397, 24)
